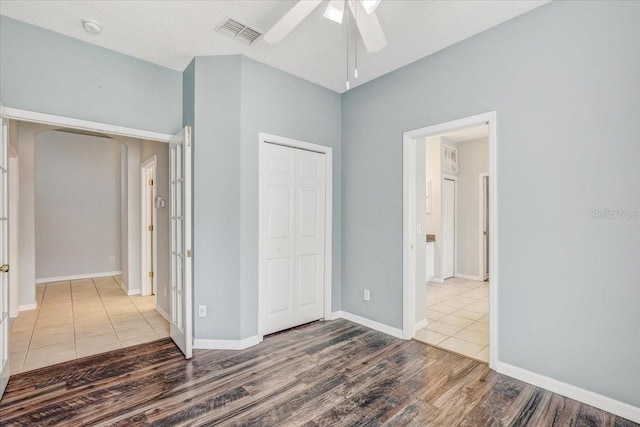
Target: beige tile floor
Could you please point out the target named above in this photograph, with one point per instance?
(458, 316)
(79, 318)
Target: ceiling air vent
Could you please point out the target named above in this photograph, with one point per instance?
(238, 31)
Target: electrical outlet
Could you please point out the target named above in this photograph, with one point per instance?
(367, 295)
(202, 311)
(112, 258)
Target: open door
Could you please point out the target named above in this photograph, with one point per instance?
(181, 251)
(4, 259)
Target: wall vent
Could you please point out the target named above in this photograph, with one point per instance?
(237, 31)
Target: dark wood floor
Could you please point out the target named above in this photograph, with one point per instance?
(323, 374)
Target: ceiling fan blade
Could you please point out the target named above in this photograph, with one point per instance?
(290, 20)
(369, 27)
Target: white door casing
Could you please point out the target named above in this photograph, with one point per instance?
(4, 259)
(14, 279)
(293, 237)
(148, 230)
(181, 234)
(448, 227)
(483, 193)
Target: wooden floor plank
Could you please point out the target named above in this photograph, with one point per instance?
(323, 374)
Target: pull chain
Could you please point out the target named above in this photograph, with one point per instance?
(347, 13)
(355, 40)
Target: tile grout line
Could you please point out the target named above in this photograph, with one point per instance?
(33, 331)
(106, 311)
(457, 309)
(143, 316)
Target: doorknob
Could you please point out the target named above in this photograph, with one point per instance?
(4, 268)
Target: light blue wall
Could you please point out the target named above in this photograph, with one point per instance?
(564, 80)
(47, 72)
(77, 205)
(235, 98)
(216, 195)
(281, 104)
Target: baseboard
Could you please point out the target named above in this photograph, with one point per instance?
(27, 307)
(437, 280)
(420, 324)
(204, 344)
(128, 291)
(77, 277)
(335, 315)
(616, 407)
(394, 332)
(163, 313)
(469, 277)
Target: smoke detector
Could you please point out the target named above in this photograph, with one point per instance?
(91, 26)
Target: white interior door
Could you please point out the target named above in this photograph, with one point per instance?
(181, 255)
(292, 228)
(309, 236)
(4, 261)
(278, 249)
(448, 227)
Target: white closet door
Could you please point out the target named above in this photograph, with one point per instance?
(448, 227)
(292, 228)
(4, 261)
(278, 300)
(309, 236)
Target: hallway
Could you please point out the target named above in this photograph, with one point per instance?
(80, 318)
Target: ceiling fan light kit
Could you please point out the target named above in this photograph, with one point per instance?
(366, 23)
(369, 5)
(334, 11)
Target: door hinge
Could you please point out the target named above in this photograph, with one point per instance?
(151, 274)
(189, 253)
(150, 182)
(150, 228)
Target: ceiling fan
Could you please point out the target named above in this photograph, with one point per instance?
(363, 12)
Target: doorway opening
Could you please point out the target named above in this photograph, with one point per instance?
(115, 294)
(449, 172)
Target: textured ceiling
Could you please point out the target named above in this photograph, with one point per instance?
(171, 33)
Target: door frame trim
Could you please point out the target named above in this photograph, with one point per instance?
(68, 122)
(409, 222)
(482, 274)
(145, 289)
(455, 223)
(265, 138)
